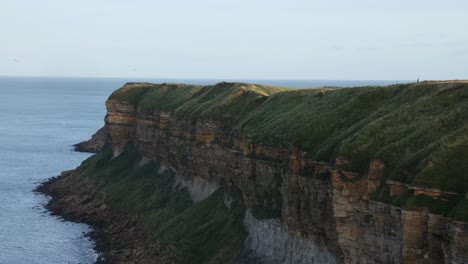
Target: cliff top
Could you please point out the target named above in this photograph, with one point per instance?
(223, 100)
(419, 130)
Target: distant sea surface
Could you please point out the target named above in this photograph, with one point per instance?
(41, 118)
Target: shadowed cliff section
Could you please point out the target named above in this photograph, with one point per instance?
(140, 217)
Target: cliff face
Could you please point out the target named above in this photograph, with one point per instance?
(207, 155)
(299, 206)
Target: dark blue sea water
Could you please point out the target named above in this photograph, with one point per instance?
(40, 118)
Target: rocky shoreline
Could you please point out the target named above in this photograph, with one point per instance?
(176, 185)
(117, 237)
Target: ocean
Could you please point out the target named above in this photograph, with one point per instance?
(41, 118)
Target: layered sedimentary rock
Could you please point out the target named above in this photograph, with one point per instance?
(299, 209)
(206, 155)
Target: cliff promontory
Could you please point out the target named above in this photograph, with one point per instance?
(244, 173)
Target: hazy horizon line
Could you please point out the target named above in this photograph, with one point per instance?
(208, 78)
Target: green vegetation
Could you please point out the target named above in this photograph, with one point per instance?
(131, 92)
(453, 206)
(222, 101)
(460, 212)
(206, 232)
(405, 125)
(448, 168)
(441, 205)
(419, 130)
(399, 200)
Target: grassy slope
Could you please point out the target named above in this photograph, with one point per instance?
(207, 232)
(419, 130)
(221, 101)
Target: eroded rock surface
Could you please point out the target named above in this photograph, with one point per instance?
(299, 210)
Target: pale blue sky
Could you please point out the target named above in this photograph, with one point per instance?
(256, 39)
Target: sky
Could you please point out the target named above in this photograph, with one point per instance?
(228, 39)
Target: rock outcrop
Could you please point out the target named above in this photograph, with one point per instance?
(299, 209)
(97, 142)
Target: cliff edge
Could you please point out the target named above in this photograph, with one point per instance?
(245, 173)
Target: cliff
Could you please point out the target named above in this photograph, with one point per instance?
(243, 173)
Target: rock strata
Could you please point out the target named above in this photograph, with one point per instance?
(298, 209)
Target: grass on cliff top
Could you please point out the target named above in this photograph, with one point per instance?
(419, 130)
(206, 232)
(130, 92)
(221, 101)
